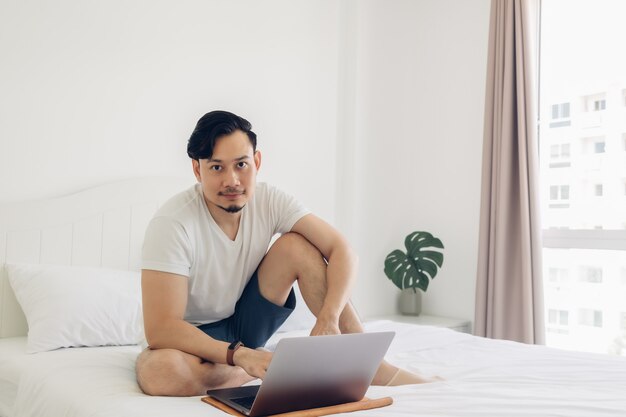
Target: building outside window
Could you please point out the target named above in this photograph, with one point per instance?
(582, 143)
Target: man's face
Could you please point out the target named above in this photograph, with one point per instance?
(229, 178)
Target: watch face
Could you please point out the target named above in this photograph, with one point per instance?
(235, 345)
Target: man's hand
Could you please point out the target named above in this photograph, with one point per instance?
(324, 326)
(254, 362)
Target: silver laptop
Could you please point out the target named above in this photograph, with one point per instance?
(311, 372)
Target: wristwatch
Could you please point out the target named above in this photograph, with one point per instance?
(232, 348)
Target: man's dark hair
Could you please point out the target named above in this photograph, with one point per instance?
(213, 126)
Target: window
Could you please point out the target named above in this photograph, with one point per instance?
(595, 102)
(598, 147)
(599, 105)
(591, 274)
(560, 111)
(558, 321)
(565, 150)
(560, 317)
(584, 238)
(588, 317)
(560, 115)
(559, 196)
(560, 155)
(558, 275)
(598, 190)
(592, 144)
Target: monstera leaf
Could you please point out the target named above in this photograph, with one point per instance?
(415, 268)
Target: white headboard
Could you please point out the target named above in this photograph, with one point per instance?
(99, 226)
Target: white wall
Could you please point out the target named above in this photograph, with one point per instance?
(94, 91)
(369, 111)
(419, 123)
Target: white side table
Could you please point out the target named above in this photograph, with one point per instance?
(460, 325)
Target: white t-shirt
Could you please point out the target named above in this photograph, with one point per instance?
(184, 239)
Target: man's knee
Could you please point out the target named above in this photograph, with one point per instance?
(291, 257)
(165, 372)
(295, 247)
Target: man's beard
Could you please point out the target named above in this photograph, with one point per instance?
(232, 209)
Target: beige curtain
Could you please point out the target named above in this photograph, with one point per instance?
(509, 293)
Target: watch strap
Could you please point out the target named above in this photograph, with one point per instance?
(230, 353)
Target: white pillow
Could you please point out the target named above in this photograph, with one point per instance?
(301, 318)
(68, 306)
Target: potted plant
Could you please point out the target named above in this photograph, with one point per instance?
(414, 269)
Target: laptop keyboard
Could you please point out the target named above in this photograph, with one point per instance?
(245, 402)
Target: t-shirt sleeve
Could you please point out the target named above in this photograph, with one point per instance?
(166, 247)
(285, 210)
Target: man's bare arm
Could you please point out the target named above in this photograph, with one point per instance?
(164, 302)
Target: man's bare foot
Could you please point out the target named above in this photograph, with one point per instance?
(403, 377)
(389, 375)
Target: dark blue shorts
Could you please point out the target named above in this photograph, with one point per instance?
(255, 319)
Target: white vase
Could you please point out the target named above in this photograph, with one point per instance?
(410, 302)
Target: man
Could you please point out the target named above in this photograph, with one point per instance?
(211, 293)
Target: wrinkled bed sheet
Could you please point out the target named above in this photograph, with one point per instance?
(483, 377)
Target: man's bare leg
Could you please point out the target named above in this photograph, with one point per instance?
(170, 372)
(349, 322)
(291, 257)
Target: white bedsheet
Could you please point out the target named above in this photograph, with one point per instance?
(483, 378)
(12, 358)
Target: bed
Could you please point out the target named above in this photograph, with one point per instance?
(86, 247)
